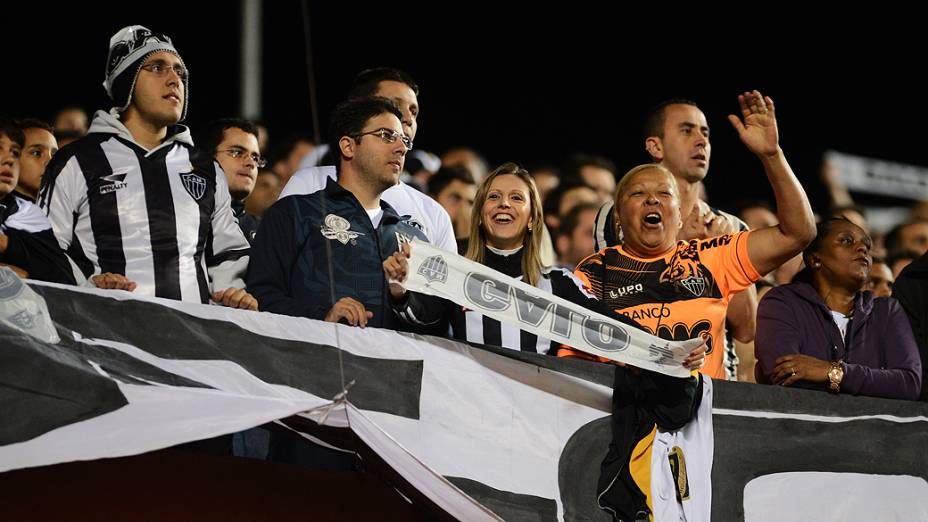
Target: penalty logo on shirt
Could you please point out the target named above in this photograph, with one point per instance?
(194, 184)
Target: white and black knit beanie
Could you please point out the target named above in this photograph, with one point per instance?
(129, 48)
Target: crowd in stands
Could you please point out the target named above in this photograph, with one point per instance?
(131, 199)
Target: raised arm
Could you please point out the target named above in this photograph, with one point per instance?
(770, 247)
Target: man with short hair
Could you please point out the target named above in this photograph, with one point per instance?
(133, 202)
(71, 119)
(27, 244)
(320, 255)
(454, 189)
(596, 172)
(288, 156)
(909, 236)
(38, 150)
(574, 240)
(399, 87)
(234, 144)
(266, 191)
(563, 199)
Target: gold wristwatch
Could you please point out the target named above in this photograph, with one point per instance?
(835, 375)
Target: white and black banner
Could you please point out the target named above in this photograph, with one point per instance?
(437, 272)
(481, 433)
(875, 176)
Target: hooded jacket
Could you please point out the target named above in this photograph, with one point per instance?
(161, 217)
(880, 357)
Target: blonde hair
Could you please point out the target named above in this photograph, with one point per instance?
(626, 179)
(531, 242)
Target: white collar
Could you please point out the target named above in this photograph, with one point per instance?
(504, 252)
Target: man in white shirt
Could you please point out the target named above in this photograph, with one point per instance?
(398, 86)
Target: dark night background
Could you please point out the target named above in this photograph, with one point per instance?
(530, 88)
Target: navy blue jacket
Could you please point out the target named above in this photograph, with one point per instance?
(289, 269)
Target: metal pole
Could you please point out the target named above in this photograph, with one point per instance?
(250, 82)
(311, 73)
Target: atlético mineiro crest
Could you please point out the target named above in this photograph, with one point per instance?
(23, 319)
(194, 184)
(696, 285)
(434, 269)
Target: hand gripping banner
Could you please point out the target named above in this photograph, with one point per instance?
(444, 274)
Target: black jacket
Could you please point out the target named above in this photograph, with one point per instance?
(911, 290)
(31, 245)
(246, 222)
(302, 238)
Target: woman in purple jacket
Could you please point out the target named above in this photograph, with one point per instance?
(822, 332)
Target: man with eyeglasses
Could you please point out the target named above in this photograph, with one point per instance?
(398, 86)
(135, 205)
(321, 255)
(234, 144)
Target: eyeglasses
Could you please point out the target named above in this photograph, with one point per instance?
(241, 154)
(388, 136)
(159, 69)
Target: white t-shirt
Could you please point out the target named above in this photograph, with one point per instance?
(407, 201)
(374, 214)
(841, 321)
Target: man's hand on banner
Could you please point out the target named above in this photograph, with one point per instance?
(236, 298)
(351, 310)
(397, 267)
(111, 281)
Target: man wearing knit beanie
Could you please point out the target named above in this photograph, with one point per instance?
(134, 204)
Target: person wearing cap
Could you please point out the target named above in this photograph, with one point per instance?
(133, 203)
(398, 86)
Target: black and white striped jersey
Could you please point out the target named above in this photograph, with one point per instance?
(161, 217)
(472, 326)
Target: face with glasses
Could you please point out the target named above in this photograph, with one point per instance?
(159, 94)
(378, 152)
(239, 157)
